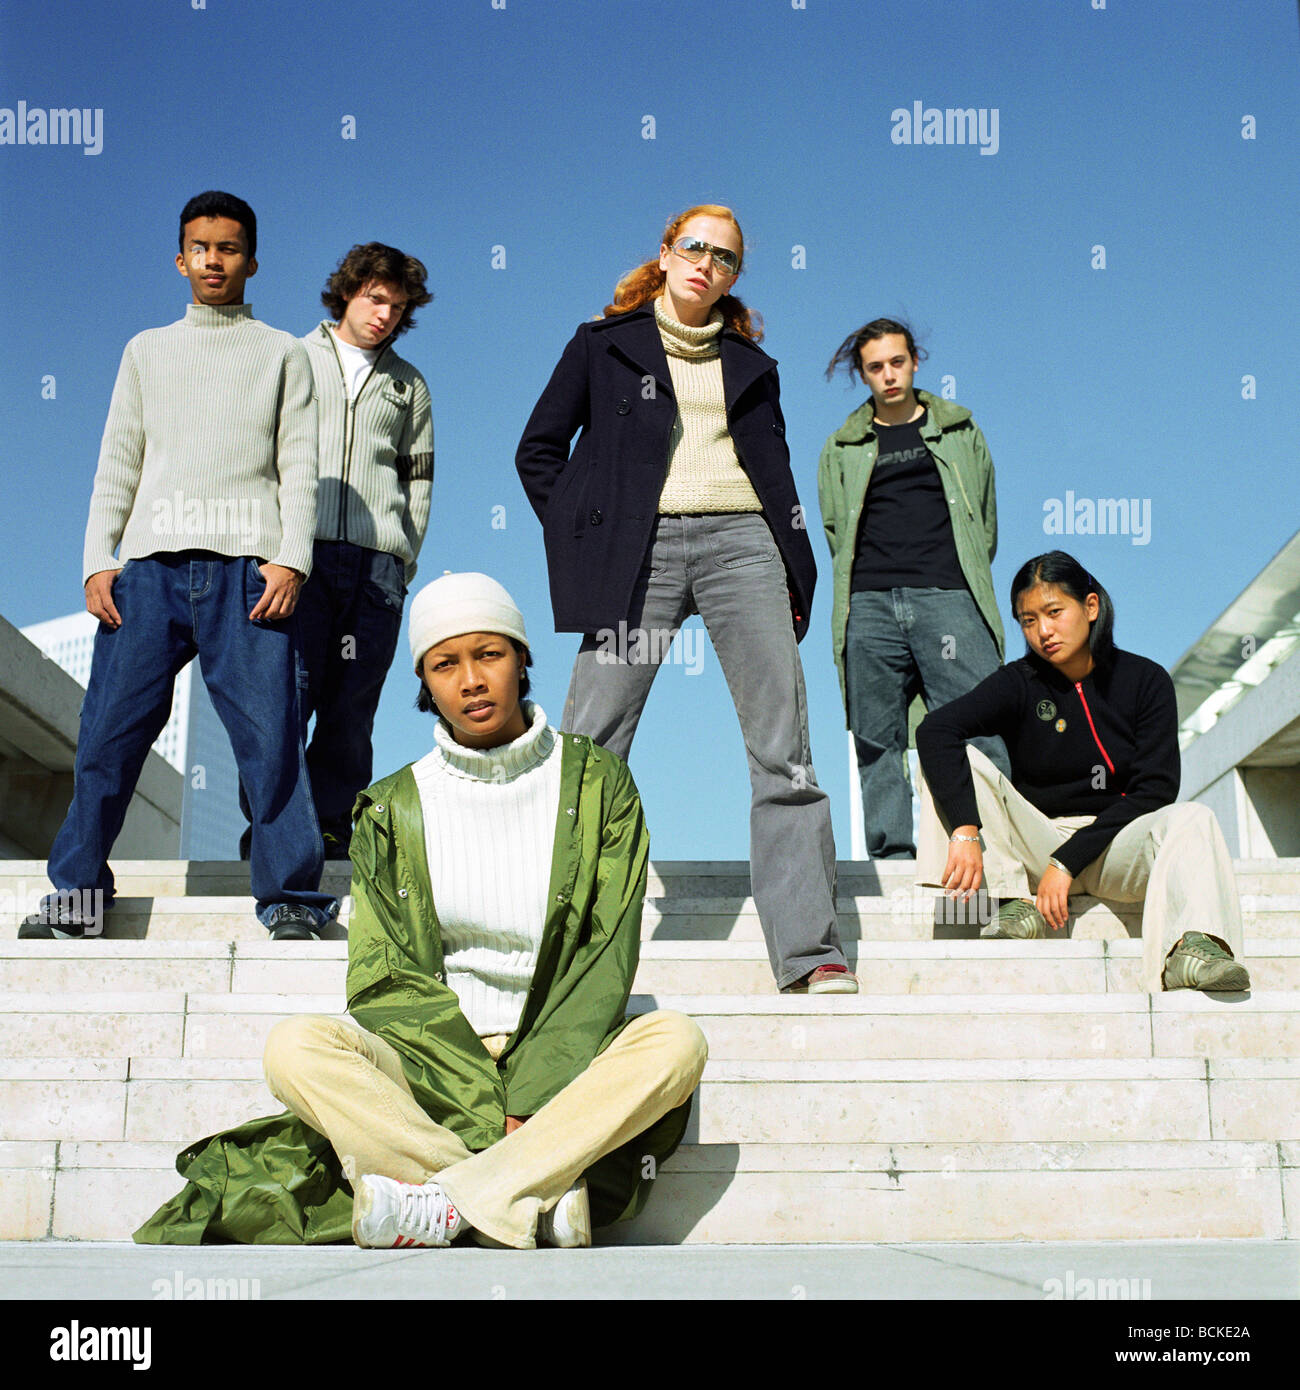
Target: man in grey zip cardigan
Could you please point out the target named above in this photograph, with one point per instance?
(908, 502)
(372, 508)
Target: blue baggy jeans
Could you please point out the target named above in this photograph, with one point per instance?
(175, 606)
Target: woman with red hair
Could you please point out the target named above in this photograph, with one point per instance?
(677, 499)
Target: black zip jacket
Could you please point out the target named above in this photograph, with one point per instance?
(1105, 746)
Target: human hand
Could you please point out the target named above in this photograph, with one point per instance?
(280, 597)
(99, 598)
(964, 871)
(1053, 894)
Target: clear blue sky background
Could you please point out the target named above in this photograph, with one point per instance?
(523, 127)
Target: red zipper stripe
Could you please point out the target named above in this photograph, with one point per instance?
(1083, 701)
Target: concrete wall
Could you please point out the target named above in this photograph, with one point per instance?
(40, 708)
(1246, 768)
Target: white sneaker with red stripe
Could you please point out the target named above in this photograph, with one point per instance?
(392, 1215)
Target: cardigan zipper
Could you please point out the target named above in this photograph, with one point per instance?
(1078, 685)
(342, 527)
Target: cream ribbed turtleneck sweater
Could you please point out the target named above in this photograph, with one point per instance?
(489, 834)
(704, 474)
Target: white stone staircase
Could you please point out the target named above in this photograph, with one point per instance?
(974, 1091)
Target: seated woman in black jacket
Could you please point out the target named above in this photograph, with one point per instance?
(1092, 733)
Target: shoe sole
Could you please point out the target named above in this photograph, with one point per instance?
(54, 934)
(847, 987)
(1233, 978)
(362, 1201)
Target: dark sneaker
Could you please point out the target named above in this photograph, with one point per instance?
(1199, 962)
(289, 922)
(1016, 920)
(826, 979)
(64, 917)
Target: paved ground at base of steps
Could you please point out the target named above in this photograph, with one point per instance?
(1193, 1271)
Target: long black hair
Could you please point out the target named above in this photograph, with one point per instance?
(1068, 575)
(849, 353)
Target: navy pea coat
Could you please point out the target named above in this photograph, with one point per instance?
(598, 504)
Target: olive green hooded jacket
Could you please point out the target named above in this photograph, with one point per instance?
(962, 458)
(276, 1180)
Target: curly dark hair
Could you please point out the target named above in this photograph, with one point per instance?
(365, 264)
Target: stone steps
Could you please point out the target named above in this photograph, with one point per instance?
(985, 1100)
(194, 1025)
(794, 1193)
(975, 1090)
(911, 917)
(260, 966)
(666, 878)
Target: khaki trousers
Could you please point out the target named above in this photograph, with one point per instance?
(1174, 861)
(348, 1084)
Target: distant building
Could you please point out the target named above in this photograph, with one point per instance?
(1238, 691)
(193, 741)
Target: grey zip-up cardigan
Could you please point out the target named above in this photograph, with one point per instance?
(376, 452)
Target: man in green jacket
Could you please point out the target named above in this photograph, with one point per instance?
(488, 1080)
(907, 499)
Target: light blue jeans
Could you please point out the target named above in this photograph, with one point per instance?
(727, 568)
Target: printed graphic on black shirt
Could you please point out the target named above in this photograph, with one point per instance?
(905, 540)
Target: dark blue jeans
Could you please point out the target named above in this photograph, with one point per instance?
(901, 643)
(176, 606)
(349, 620)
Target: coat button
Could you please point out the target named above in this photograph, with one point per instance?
(596, 517)
(401, 892)
(778, 429)
(624, 407)
(437, 975)
(379, 807)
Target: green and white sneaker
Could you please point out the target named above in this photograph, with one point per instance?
(1199, 962)
(1016, 920)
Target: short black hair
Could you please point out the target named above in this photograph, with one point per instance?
(214, 203)
(424, 701)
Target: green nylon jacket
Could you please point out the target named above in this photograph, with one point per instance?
(962, 458)
(276, 1180)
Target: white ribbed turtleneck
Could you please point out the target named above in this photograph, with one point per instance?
(489, 833)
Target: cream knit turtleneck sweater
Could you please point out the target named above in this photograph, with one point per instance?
(489, 833)
(704, 474)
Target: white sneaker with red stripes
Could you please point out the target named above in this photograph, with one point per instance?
(392, 1215)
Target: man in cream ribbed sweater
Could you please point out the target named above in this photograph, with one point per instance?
(207, 481)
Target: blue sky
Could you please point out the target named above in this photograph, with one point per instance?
(524, 127)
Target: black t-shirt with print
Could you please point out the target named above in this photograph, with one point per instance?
(905, 539)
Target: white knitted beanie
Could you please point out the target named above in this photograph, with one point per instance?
(460, 603)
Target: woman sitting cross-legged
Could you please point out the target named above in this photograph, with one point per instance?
(1092, 733)
(493, 1085)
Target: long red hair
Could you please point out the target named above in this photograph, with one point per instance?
(646, 281)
